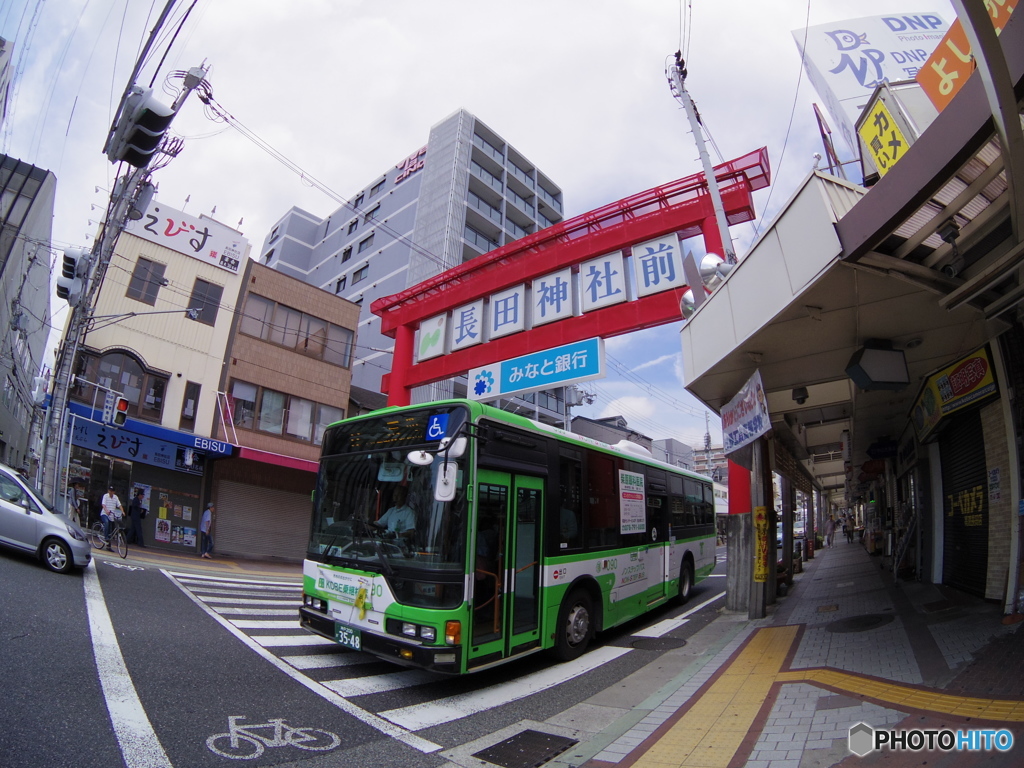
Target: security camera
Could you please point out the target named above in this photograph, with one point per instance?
(800, 395)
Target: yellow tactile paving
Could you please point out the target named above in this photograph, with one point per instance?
(909, 696)
(710, 733)
(712, 730)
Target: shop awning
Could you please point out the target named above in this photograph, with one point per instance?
(278, 459)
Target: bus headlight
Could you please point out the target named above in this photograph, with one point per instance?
(316, 603)
(409, 630)
(428, 633)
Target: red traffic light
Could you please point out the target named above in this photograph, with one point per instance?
(120, 411)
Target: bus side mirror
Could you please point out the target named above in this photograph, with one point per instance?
(447, 474)
(455, 448)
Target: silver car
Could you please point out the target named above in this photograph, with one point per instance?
(29, 523)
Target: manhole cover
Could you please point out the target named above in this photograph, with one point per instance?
(657, 643)
(527, 749)
(827, 608)
(860, 623)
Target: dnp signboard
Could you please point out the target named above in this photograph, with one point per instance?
(557, 367)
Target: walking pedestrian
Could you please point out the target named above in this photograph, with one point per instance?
(111, 512)
(205, 532)
(77, 504)
(830, 531)
(137, 514)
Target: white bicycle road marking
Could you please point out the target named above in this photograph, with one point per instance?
(245, 742)
(136, 738)
(256, 644)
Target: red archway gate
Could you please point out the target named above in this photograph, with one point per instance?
(683, 207)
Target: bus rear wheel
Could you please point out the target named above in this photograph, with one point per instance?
(575, 625)
(685, 582)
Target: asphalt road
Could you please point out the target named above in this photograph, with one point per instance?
(138, 666)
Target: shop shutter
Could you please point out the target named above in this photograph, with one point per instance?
(964, 504)
(261, 522)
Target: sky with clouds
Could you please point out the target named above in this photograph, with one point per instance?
(344, 89)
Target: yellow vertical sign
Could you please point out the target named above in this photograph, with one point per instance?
(760, 544)
(883, 138)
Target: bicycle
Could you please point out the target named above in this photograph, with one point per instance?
(117, 541)
(242, 743)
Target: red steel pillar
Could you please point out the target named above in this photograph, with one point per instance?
(401, 362)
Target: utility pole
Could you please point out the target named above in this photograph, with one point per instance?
(677, 82)
(135, 138)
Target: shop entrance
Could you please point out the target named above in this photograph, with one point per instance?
(104, 472)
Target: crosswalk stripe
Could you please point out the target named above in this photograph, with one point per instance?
(393, 681)
(233, 601)
(229, 611)
(290, 641)
(265, 623)
(262, 586)
(185, 577)
(200, 591)
(327, 660)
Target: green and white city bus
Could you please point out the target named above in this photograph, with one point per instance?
(526, 537)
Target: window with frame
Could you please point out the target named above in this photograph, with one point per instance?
(353, 226)
(271, 413)
(206, 298)
(257, 316)
(122, 373)
(364, 244)
(377, 187)
(243, 404)
(339, 285)
(360, 274)
(346, 254)
(306, 334)
(189, 404)
(281, 414)
(371, 214)
(358, 201)
(145, 282)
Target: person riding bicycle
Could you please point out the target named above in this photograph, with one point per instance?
(111, 511)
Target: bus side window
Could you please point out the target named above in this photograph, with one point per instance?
(603, 525)
(570, 520)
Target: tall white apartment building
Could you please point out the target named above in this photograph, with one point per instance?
(465, 192)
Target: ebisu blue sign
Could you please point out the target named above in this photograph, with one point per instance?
(556, 367)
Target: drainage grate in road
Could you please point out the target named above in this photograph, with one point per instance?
(860, 623)
(658, 643)
(527, 749)
(827, 608)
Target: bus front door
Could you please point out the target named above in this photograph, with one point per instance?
(506, 579)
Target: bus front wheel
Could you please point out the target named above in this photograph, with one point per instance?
(575, 625)
(685, 581)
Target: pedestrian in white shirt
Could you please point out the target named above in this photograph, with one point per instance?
(111, 512)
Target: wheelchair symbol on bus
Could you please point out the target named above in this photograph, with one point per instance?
(437, 426)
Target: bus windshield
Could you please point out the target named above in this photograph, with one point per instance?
(375, 506)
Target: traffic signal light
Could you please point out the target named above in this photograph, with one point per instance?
(73, 270)
(140, 129)
(120, 411)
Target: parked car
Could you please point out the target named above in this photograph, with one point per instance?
(30, 523)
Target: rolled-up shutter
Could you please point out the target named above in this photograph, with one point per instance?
(261, 522)
(965, 504)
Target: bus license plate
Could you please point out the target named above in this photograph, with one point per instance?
(348, 636)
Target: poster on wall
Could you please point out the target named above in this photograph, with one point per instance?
(163, 530)
(632, 502)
